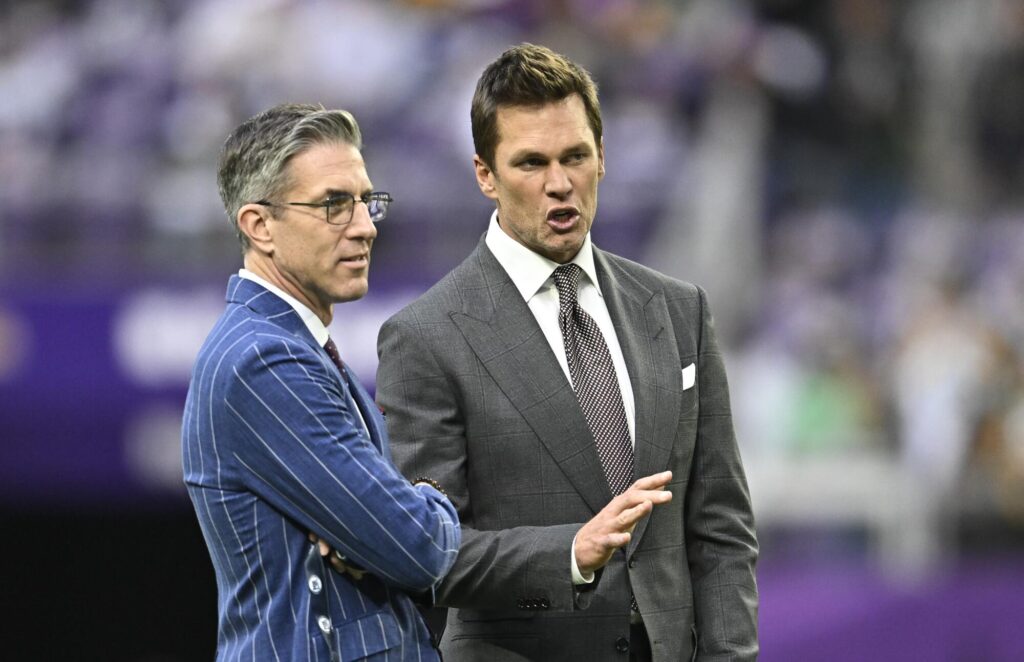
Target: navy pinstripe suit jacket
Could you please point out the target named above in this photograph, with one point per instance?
(273, 450)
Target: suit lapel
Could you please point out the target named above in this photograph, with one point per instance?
(502, 331)
(645, 334)
(504, 334)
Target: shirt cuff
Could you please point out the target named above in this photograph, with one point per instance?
(577, 576)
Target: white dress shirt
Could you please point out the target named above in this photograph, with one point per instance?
(531, 273)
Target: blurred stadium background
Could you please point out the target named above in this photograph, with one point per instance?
(843, 176)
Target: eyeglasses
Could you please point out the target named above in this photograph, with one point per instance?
(339, 207)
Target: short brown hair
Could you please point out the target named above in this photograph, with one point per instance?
(255, 155)
(527, 75)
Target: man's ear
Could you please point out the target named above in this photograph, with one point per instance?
(600, 160)
(484, 177)
(252, 221)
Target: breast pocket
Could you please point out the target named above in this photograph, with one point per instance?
(689, 395)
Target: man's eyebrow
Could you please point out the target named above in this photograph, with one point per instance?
(578, 147)
(332, 192)
(525, 154)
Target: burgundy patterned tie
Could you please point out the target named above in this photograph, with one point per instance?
(593, 378)
(332, 351)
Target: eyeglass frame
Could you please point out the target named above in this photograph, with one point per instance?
(338, 198)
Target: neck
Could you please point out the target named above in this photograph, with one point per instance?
(266, 269)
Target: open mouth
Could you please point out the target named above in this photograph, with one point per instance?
(563, 218)
(360, 260)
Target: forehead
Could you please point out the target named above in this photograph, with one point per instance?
(333, 165)
(550, 126)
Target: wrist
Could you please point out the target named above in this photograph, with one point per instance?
(579, 576)
(423, 480)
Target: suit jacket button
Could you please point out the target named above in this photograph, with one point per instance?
(315, 585)
(325, 624)
(632, 563)
(622, 645)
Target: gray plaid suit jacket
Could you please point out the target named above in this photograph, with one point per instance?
(476, 400)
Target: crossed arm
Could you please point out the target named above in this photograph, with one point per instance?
(299, 446)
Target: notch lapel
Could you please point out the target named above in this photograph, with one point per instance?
(505, 336)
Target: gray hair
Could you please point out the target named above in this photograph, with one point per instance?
(253, 163)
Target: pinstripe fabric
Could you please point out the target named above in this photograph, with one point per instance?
(272, 450)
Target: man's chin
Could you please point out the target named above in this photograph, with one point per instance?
(564, 249)
(353, 291)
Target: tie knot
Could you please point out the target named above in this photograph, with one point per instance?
(567, 280)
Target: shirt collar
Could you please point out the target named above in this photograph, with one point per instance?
(528, 270)
(308, 317)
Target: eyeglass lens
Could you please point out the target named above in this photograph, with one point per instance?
(339, 209)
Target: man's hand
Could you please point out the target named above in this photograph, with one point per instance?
(612, 528)
(336, 560)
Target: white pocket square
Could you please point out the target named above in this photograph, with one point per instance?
(689, 376)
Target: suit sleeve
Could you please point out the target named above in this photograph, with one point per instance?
(429, 437)
(721, 545)
(296, 444)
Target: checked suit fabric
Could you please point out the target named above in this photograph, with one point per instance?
(595, 384)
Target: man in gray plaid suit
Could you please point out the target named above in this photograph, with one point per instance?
(574, 406)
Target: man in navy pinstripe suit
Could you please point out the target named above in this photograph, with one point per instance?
(280, 445)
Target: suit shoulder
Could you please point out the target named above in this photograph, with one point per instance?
(241, 335)
(436, 303)
(673, 288)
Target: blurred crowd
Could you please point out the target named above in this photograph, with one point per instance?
(844, 177)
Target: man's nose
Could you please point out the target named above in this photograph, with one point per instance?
(557, 183)
(361, 226)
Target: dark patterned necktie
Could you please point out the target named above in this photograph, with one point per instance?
(593, 378)
(332, 351)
